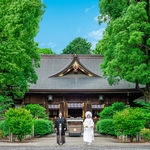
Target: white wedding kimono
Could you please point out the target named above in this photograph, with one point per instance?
(88, 135)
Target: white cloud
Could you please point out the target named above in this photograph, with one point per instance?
(93, 44)
(96, 34)
(51, 45)
(88, 9)
(42, 44)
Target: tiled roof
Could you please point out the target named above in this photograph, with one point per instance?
(52, 64)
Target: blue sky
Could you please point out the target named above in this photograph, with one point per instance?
(65, 20)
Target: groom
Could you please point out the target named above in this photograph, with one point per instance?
(60, 128)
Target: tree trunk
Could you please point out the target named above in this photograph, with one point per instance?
(147, 93)
(131, 138)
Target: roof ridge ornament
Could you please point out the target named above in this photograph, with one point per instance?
(75, 55)
(75, 67)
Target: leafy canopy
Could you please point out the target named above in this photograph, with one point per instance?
(45, 51)
(78, 46)
(126, 41)
(19, 23)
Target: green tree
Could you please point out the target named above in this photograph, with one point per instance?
(37, 111)
(19, 121)
(19, 23)
(129, 122)
(46, 51)
(78, 46)
(126, 42)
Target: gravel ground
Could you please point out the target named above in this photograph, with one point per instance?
(74, 143)
(76, 148)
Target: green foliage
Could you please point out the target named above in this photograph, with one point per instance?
(46, 51)
(5, 102)
(37, 111)
(144, 105)
(19, 23)
(129, 122)
(78, 46)
(111, 10)
(1, 134)
(107, 112)
(105, 126)
(19, 121)
(146, 109)
(4, 127)
(145, 133)
(126, 41)
(42, 127)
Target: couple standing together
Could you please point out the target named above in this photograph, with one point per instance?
(88, 124)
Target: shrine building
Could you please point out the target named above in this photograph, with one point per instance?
(74, 84)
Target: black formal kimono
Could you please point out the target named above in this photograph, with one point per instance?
(61, 121)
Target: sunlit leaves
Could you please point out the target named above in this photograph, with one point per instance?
(19, 23)
(125, 43)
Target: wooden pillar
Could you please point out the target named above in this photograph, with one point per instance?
(66, 109)
(83, 109)
(45, 104)
(61, 108)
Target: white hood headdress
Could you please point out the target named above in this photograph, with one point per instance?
(88, 113)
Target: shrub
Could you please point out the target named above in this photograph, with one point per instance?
(37, 111)
(105, 126)
(145, 133)
(20, 121)
(129, 121)
(42, 127)
(109, 111)
(4, 127)
(98, 126)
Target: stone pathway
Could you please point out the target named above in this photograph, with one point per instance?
(74, 143)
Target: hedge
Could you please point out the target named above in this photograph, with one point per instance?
(42, 127)
(105, 126)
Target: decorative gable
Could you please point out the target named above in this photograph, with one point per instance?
(75, 67)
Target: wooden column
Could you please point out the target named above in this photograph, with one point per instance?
(61, 108)
(83, 109)
(46, 105)
(66, 109)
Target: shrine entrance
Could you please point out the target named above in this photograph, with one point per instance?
(74, 113)
(75, 110)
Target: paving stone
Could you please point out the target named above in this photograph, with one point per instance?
(74, 143)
